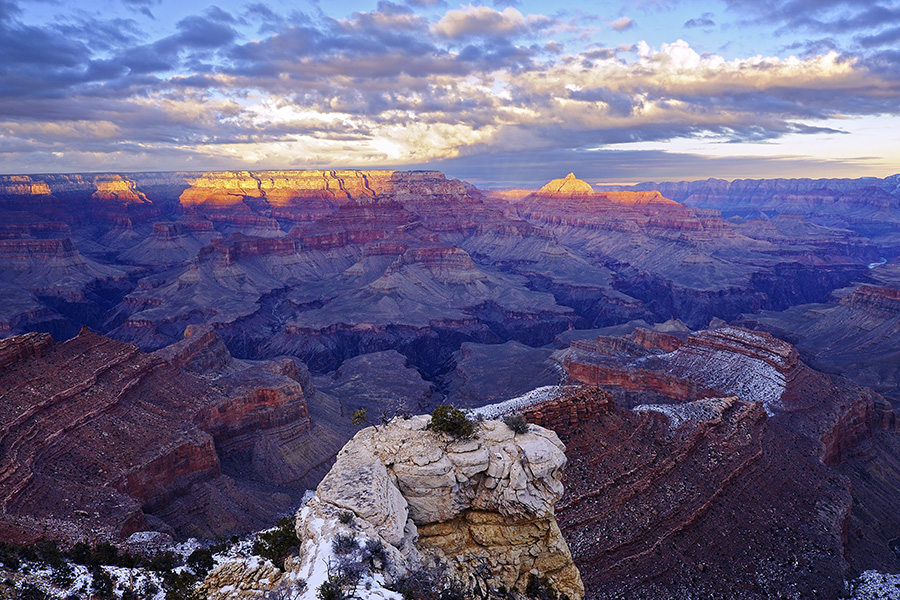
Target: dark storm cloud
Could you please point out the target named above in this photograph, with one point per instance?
(8, 10)
(808, 48)
(197, 32)
(38, 61)
(261, 12)
(619, 104)
(387, 43)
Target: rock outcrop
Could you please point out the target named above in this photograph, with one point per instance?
(687, 262)
(483, 507)
(568, 186)
(854, 336)
(671, 501)
(852, 428)
(99, 440)
(864, 205)
(727, 360)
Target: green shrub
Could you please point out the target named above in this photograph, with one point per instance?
(447, 419)
(62, 574)
(101, 583)
(374, 553)
(80, 553)
(201, 561)
(517, 423)
(279, 543)
(331, 589)
(181, 586)
(9, 556)
(105, 554)
(49, 553)
(163, 562)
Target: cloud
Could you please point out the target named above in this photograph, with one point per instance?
(142, 6)
(835, 17)
(426, 3)
(622, 24)
(9, 9)
(704, 20)
(198, 32)
(553, 47)
(888, 37)
(483, 21)
(526, 168)
(392, 86)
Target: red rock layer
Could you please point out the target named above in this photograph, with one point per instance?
(878, 299)
(237, 247)
(724, 506)
(754, 366)
(23, 346)
(96, 435)
(30, 249)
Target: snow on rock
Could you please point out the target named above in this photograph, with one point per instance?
(748, 364)
(872, 584)
(691, 413)
(536, 396)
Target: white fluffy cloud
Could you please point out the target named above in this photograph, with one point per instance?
(485, 21)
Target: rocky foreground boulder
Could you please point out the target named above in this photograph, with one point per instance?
(407, 500)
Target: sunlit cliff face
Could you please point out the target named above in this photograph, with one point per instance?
(235, 87)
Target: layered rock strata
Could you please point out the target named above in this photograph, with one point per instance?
(866, 205)
(752, 365)
(483, 507)
(426, 262)
(855, 336)
(687, 262)
(99, 440)
(705, 499)
(852, 428)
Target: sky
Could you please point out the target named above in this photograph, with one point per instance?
(503, 93)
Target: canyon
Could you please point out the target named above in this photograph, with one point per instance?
(181, 352)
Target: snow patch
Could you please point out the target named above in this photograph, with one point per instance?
(872, 584)
(692, 413)
(519, 403)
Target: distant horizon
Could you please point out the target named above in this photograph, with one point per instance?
(532, 184)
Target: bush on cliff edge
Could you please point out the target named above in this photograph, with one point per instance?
(447, 419)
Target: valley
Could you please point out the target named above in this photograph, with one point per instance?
(182, 352)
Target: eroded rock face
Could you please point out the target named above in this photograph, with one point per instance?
(99, 440)
(727, 360)
(487, 501)
(326, 265)
(673, 501)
